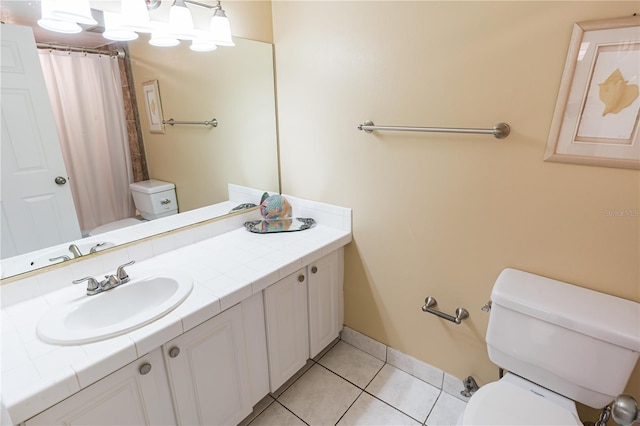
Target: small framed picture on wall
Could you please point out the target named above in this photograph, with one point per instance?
(154, 106)
(596, 119)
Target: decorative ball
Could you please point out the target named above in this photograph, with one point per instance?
(275, 207)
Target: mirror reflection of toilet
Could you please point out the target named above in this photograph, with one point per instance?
(561, 344)
(153, 199)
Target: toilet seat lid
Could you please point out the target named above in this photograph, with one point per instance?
(503, 403)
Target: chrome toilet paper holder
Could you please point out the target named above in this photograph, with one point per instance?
(430, 303)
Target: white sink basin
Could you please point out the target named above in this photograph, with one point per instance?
(114, 312)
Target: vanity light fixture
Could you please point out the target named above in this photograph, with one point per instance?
(203, 42)
(114, 29)
(65, 15)
(77, 11)
(180, 21)
(135, 15)
(51, 23)
(220, 27)
(161, 37)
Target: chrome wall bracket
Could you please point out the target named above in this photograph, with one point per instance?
(430, 303)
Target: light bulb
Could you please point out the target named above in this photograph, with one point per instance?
(160, 37)
(135, 16)
(77, 11)
(203, 42)
(180, 21)
(114, 29)
(47, 22)
(221, 29)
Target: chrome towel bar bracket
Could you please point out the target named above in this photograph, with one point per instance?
(500, 130)
(430, 303)
(213, 122)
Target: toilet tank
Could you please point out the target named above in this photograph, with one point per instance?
(154, 198)
(577, 342)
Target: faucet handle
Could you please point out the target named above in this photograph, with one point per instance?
(92, 286)
(121, 274)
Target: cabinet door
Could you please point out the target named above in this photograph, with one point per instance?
(133, 395)
(285, 305)
(325, 301)
(207, 368)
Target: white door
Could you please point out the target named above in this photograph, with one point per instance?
(208, 371)
(286, 317)
(37, 212)
(137, 394)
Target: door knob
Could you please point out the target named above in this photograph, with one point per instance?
(174, 352)
(60, 180)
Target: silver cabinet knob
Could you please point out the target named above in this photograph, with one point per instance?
(174, 352)
(300, 278)
(60, 180)
(145, 368)
(314, 269)
(165, 201)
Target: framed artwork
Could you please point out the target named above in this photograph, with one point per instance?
(154, 107)
(597, 112)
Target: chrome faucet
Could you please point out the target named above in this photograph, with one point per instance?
(75, 251)
(109, 282)
(64, 258)
(95, 248)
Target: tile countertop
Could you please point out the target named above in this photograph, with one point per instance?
(226, 269)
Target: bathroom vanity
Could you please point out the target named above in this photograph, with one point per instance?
(260, 307)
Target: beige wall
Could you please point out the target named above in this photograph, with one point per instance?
(442, 215)
(233, 85)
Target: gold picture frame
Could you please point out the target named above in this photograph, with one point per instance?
(151, 93)
(597, 115)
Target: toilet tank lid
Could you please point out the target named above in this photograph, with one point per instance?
(151, 186)
(599, 315)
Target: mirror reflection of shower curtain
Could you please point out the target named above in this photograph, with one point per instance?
(86, 96)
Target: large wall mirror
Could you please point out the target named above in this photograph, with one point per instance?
(234, 85)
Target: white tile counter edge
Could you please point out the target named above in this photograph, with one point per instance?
(227, 263)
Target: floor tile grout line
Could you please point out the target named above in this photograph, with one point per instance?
(349, 408)
(394, 407)
(344, 378)
(286, 408)
(439, 387)
(261, 411)
(293, 381)
(432, 407)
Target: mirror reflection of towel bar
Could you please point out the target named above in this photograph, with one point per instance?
(213, 122)
(430, 303)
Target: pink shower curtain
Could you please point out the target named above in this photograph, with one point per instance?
(86, 96)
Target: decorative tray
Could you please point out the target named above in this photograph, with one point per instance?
(279, 225)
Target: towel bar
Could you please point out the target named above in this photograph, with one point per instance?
(500, 130)
(213, 122)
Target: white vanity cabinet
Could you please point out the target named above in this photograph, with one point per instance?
(326, 301)
(208, 371)
(303, 314)
(137, 394)
(286, 321)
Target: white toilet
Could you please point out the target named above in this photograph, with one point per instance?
(560, 343)
(153, 199)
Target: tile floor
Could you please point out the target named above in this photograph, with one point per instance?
(347, 386)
